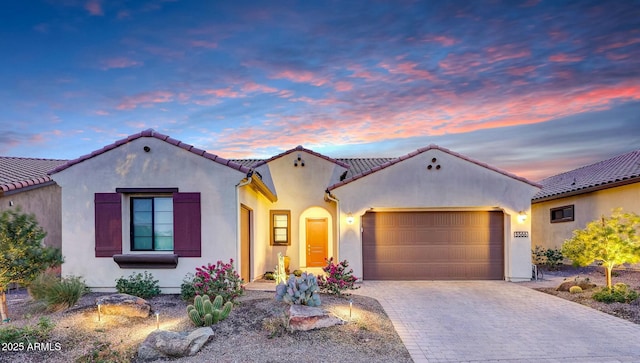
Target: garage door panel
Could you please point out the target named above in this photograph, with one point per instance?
(433, 245)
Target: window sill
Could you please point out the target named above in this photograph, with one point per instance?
(147, 260)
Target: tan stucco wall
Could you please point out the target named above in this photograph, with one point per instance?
(588, 207)
(458, 185)
(129, 166)
(300, 190)
(45, 204)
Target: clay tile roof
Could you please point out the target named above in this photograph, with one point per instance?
(621, 169)
(300, 148)
(360, 165)
(157, 135)
(17, 173)
(388, 162)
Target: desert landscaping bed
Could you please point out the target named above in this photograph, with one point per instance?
(596, 275)
(255, 331)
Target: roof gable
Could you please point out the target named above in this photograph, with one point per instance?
(619, 170)
(157, 135)
(18, 173)
(390, 162)
(298, 149)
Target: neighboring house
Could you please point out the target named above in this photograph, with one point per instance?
(150, 201)
(570, 200)
(25, 184)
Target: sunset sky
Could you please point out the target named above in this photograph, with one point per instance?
(531, 87)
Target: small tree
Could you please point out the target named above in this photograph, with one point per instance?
(610, 241)
(22, 254)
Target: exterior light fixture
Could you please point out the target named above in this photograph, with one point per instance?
(350, 218)
(157, 320)
(350, 306)
(522, 216)
(98, 312)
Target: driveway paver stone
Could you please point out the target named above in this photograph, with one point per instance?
(497, 321)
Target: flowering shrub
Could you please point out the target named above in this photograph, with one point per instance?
(219, 279)
(338, 279)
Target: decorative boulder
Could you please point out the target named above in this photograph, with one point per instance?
(584, 284)
(124, 305)
(167, 344)
(305, 318)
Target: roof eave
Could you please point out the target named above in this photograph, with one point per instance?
(258, 185)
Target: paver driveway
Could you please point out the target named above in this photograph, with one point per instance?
(496, 321)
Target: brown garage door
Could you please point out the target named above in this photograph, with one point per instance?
(433, 245)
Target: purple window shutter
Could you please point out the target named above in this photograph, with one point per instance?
(187, 233)
(108, 224)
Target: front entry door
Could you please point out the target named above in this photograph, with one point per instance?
(245, 243)
(317, 240)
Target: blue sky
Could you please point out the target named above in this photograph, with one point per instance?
(531, 87)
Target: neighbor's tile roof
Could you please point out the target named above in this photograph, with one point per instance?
(621, 169)
(157, 135)
(393, 161)
(17, 173)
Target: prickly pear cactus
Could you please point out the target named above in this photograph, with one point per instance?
(301, 290)
(203, 312)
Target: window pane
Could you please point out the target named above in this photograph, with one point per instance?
(142, 230)
(163, 230)
(163, 204)
(142, 204)
(280, 234)
(280, 220)
(164, 243)
(142, 217)
(163, 217)
(142, 243)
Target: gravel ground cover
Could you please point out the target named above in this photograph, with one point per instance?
(596, 275)
(255, 331)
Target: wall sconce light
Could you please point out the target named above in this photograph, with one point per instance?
(11, 203)
(350, 218)
(522, 216)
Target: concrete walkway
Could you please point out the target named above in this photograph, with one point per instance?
(496, 321)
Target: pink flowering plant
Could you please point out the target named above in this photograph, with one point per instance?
(338, 279)
(219, 279)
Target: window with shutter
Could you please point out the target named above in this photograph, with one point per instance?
(108, 223)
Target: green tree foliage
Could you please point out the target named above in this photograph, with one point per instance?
(22, 255)
(608, 241)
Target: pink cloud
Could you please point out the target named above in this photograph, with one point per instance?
(442, 39)
(301, 77)
(617, 45)
(409, 68)
(204, 44)
(565, 58)
(101, 113)
(118, 62)
(521, 71)
(94, 7)
(343, 86)
(145, 99)
(255, 87)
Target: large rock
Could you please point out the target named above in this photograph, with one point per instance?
(585, 284)
(305, 318)
(124, 305)
(168, 344)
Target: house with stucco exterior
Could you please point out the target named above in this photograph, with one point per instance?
(152, 202)
(570, 200)
(25, 185)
